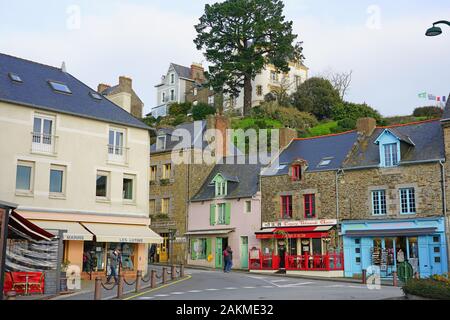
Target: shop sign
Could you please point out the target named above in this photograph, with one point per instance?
(163, 224)
(180, 240)
(131, 240)
(73, 237)
(300, 223)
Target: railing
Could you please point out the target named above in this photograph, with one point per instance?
(43, 143)
(306, 262)
(117, 154)
(316, 262)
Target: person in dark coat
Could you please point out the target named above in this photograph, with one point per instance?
(114, 263)
(229, 263)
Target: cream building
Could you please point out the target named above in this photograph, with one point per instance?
(75, 161)
(268, 81)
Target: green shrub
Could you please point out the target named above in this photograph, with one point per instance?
(322, 129)
(428, 288)
(344, 125)
(348, 110)
(176, 109)
(428, 112)
(201, 111)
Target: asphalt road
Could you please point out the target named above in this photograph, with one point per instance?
(216, 285)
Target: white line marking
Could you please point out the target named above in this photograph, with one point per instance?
(161, 295)
(297, 284)
(146, 298)
(268, 287)
(212, 289)
(283, 280)
(195, 291)
(248, 287)
(230, 288)
(177, 293)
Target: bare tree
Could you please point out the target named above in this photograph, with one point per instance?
(341, 81)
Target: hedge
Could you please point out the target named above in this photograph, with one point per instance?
(428, 288)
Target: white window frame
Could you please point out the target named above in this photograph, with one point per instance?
(172, 78)
(172, 95)
(221, 213)
(377, 202)
(411, 201)
(133, 188)
(116, 152)
(108, 186)
(30, 165)
(389, 149)
(61, 194)
(44, 142)
(158, 143)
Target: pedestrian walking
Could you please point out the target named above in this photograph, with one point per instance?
(152, 253)
(226, 258)
(114, 264)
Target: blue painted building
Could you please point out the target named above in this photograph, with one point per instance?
(385, 243)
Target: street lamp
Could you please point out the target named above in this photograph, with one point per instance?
(435, 31)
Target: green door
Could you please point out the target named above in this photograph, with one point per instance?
(219, 256)
(244, 252)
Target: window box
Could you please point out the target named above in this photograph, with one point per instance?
(161, 216)
(164, 182)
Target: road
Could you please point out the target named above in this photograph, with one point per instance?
(216, 285)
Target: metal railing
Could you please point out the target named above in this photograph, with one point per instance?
(174, 273)
(117, 154)
(43, 143)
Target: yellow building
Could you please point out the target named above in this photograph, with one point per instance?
(75, 161)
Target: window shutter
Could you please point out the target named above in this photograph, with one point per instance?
(193, 254)
(228, 214)
(212, 215)
(208, 247)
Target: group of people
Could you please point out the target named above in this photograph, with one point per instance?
(227, 259)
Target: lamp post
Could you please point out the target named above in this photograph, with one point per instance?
(172, 233)
(435, 31)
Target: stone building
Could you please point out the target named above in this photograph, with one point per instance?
(124, 96)
(376, 191)
(172, 185)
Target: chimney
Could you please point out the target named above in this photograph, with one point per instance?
(366, 126)
(197, 72)
(126, 83)
(222, 124)
(102, 87)
(286, 136)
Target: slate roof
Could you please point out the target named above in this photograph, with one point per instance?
(246, 187)
(182, 71)
(35, 92)
(428, 144)
(314, 150)
(446, 115)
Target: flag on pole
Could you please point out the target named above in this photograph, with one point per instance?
(444, 98)
(423, 95)
(438, 99)
(431, 97)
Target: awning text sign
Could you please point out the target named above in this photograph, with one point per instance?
(299, 223)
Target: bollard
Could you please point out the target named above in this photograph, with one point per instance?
(416, 275)
(173, 272)
(164, 275)
(98, 289)
(182, 271)
(11, 295)
(364, 276)
(120, 287)
(153, 279)
(394, 278)
(138, 280)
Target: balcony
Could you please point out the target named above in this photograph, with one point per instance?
(43, 143)
(117, 154)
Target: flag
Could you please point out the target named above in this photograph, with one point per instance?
(438, 99)
(444, 98)
(431, 97)
(423, 95)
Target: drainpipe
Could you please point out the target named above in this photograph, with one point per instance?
(337, 204)
(444, 206)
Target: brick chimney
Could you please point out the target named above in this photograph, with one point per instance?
(366, 126)
(222, 124)
(126, 83)
(197, 72)
(286, 136)
(102, 87)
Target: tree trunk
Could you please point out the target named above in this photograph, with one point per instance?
(247, 95)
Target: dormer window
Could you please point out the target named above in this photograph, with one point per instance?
(221, 186)
(161, 143)
(391, 143)
(15, 77)
(296, 172)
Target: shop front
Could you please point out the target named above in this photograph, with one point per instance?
(88, 245)
(299, 246)
(406, 246)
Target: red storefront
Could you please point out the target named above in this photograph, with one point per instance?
(294, 246)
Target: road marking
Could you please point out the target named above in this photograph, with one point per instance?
(161, 295)
(268, 287)
(248, 287)
(283, 280)
(146, 298)
(195, 291)
(297, 284)
(230, 288)
(212, 289)
(178, 293)
(164, 286)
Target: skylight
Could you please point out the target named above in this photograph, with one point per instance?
(95, 95)
(15, 77)
(325, 162)
(60, 87)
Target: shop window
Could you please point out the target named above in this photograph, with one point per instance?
(94, 257)
(437, 250)
(198, 249)
(310, 206)
(286, 207)
(437, 259)
(379, 202)
(436, 239)
(127, 253)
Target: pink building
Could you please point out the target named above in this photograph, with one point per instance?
(225, 212)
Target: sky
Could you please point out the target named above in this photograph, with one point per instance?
(382, 42)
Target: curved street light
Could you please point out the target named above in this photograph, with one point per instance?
(435, 31)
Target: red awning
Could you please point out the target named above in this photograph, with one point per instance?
(294, 233)
(19, 223)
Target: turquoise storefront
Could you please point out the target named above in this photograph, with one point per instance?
(420, 242)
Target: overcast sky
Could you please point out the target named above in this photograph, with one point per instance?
(383, 42)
